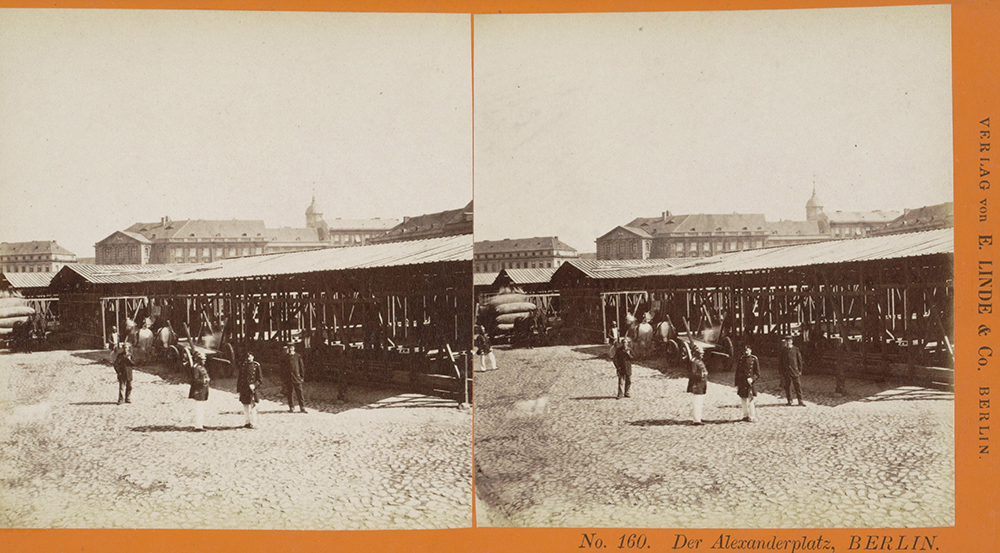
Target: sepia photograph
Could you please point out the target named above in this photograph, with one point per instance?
(236, 254)
(714, 270)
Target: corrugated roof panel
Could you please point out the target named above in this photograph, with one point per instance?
(816, 253)
(874, 248)
(624, 268)
(120, 274)
(530, 276)
(450, 248)
(483, 279)
(28, 280)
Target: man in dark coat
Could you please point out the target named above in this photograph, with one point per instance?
(247, 383)
(623, 365)
(790, 368)
(295, 373)
(747, 373)
(123, 368)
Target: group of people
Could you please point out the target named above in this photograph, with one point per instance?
(249, 380)
(747, 374)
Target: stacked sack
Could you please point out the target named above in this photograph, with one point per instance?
(509, 308)
(13, 310)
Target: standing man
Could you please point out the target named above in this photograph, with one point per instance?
(247, 383)
(747, 373)
(697, 383)
(484, 349)
(623, 365)
(296, 373)
(790, 368)
(123, 368)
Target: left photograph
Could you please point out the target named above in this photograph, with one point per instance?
(236, 253)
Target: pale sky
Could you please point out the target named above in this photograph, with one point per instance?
(113, 117)
(586, 121)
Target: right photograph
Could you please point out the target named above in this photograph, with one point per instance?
(714, 269)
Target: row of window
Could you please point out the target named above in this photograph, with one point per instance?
(194, 253)
(27, 269)
(515, 255)
(497, 267)
(347, 238)
(609, 249)
(848, 232)
(24, 258)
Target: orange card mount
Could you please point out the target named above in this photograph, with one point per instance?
(975, 41)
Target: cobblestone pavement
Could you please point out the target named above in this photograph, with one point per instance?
(554, 448)
(71, 457)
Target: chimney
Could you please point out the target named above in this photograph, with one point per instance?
(666, 216)
(906, 211)
(406, 219)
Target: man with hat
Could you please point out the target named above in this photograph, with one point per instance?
(295, 370)
(790, 368)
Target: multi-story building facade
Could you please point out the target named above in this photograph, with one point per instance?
(204, 241)
(34, 257)
(547, 252)
(672, 236)
(431, 225)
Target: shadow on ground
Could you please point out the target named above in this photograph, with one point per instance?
(678, 422)
(172, 428)
(101, 356)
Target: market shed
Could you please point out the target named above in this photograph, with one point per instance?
(885, 304)
(369, 310)
(93, 299)
(34, 289)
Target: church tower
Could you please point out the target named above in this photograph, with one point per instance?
(314, 219)
(313, 214)
(814, 207)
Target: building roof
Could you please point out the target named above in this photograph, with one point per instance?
(873, 248)
(128, 234)
(287, 234)
(939, 214)
(623, 268)
(377, 223)
(200, 228)
(794, 228)
(118, 274)
(455, 221)
(19, 281)
(413, 252)
(700, 223)
(631, 230)
(876, 216)
(521, 245)
(483, 279)
(524, 276)
(33, 248)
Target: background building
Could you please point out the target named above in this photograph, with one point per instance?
(548, 252)
(846, 224)
(698, 235)
(431, 225)
(346, 232)
(34, 257)
(929, 217)
(204, 241)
